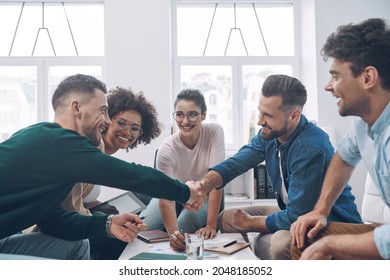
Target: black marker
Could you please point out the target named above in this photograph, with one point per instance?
(230, 243)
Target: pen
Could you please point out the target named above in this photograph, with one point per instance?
(133, 222)
(230, 243)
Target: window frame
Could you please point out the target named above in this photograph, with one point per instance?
(43, 65)
(236, 62)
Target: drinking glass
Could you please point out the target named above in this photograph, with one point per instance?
(194, 246)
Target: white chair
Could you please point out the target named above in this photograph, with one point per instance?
(374, 210)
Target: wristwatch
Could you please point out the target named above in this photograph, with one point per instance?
(108, 226)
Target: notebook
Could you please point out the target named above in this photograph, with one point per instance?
(153, 235)
(219, 247)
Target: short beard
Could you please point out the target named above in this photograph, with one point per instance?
(274, 133)
(358, 108)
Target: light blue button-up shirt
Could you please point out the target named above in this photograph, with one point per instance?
(372, 145)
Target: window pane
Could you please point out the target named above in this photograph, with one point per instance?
(18, 99)
(58, 73)
(253, 77)
(215, 82)
(244, 29)
(47, 27)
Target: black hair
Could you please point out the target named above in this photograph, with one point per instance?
(78, 83)
(361, 45)
(292, 91)
(194, 95)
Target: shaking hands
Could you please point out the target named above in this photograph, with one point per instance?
(200, 190)
(197, 197)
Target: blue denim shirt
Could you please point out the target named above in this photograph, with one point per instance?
(305, 159)
(372, 145)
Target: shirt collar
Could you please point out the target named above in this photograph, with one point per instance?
(302, 123)
(380, 124)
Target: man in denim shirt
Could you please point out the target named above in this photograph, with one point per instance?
(361, 83)
(305, 152)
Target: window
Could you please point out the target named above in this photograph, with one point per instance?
(213, 100)
(18, 95)
(42, 43)
(226, 50)
(51, 29)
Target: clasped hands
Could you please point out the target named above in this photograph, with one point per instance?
(197, 196)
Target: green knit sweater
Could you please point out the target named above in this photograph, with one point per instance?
(39, 166)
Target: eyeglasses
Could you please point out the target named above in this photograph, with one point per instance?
(135, 129)
(192, 116)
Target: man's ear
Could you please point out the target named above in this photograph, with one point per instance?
(370, 77)
(203, 116)
(295, 114)
(75, 105)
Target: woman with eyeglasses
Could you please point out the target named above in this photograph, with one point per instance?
(134, 121)
(187, 155)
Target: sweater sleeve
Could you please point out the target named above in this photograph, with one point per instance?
(70, 225)
(81, 162)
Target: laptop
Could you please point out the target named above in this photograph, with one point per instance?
(124, 203)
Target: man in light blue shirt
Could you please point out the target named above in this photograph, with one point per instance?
(361, 83)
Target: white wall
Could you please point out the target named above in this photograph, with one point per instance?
(138, 55)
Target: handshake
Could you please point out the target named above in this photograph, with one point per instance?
(200, 189)
(198, 196)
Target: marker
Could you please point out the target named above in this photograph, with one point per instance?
(230, 243)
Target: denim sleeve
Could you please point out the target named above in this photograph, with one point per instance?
(307, 169)
(249, 156)
(347, 147)
(382, 240)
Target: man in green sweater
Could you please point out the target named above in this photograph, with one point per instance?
(40, 164)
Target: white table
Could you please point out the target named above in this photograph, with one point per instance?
(138, 246)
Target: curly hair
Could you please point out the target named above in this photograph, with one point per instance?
(361, 45)
(121, 100)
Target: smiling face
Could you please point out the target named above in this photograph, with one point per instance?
(275, 123)
(116, 138)
(188, 128)
(348, 90)
(92, 116)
